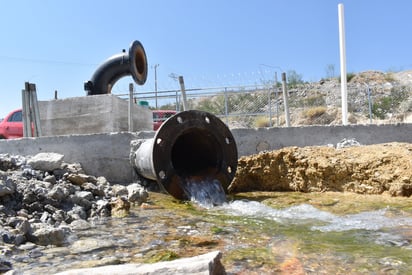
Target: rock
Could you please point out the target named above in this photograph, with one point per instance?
(101, 208)
(94, 189)
(204, 264)
(136, 193)
(90, 244)
(120, 207)
(82, 198)
(47, 235)
(86, 195)
(8, 162)
(23, 227)
(46, 161)
(58, 193)
(50, 178)
(78, 179)
(77, 212)
(7, 187)
(80, 225)
(344, 143)
(119, 190)
(5, 265)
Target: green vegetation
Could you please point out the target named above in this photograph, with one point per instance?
(309, 101)
(162, 255)
(349, 77)
(388, 104)
(294, 79)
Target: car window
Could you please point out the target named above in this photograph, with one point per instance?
(16, 117)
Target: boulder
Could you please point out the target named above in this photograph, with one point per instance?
(46, 161)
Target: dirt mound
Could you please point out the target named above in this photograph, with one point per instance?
(372, 169)
(371, 77)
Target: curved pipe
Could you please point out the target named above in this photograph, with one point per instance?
(133, 63)
(189, 145)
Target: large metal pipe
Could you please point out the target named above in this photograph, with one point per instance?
(133, 63)
(191, 144)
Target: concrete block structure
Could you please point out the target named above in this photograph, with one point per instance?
(90, 115)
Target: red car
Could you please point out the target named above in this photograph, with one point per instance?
(12, 125)
(159, 116)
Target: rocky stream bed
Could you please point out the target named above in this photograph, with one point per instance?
(346, 211)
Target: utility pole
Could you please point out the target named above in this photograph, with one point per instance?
(155, 69)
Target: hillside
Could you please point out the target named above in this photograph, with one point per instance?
(389, 95)
(372, 97)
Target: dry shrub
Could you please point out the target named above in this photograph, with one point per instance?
(262, 121)
(314, 112)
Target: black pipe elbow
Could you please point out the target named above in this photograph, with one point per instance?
(133, 63)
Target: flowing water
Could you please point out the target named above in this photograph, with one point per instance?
(257, 233)
(205, 191)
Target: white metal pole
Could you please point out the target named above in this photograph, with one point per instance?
(343, 80)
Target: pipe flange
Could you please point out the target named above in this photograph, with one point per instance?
(193, 143)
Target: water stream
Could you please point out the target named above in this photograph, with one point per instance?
(205, 191)
(327, 233)
(307, 214)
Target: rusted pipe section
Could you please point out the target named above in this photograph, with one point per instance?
(189, 145)
(133, 63)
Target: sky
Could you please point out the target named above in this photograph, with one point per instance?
(59, 44)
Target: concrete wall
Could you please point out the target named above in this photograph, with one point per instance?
(91, 114)
(108, 154)
(251, 141)
(99, 154)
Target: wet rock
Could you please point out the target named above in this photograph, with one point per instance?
(80, 225)
(46, 161)
(47, 235)
(204, 264)
(120, 207)
(90, 244)
(5, 265)
(102, 208)
(136, 193)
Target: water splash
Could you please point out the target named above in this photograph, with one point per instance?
(205, 191)
(307, 214)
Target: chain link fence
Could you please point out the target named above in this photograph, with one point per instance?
(309, 104)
